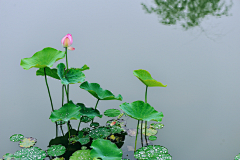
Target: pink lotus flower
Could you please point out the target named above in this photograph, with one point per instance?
(67, 42)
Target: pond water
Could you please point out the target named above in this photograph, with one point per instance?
(192, 46)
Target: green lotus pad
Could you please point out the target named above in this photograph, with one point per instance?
(150, 131)
(157, 125)
(106, 150)
(58, 158)
(81, 154)
(83, 139)
(44, 58)
(95, 90)
(49, 72)
(68, 111)
(33, 153)
(56, 150)
(86, 119)
(94, 124)
(152, 138)
(101, 132)
(89, 112)
(152, 153)
(112, 112)
(27, 142)
(16, 137)
(141, 111)
(146, 78)
(8, 156)
(70, 76)
(237, 157)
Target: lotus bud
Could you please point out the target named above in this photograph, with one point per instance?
(67, 40)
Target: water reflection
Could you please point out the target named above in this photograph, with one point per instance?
(188, 13)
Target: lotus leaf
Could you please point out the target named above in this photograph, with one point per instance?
(152, 153)
(83, 140)
(146, 78)
(86, 119)
(33, 153)
(101, 132)
(56, 150)
(112, 112)
(95, 90)
(58, 158)
(85, 67)
(27, 142)
(106, 150)
(157, 125)
(152, 138)
(81, 154)
(116, 129)
(8, 156)
(16, 137)
(44, 58)
(85, 130)
(68, 111)
(49, 72)
(94, 124)
(237, 157)
(150, 132)
(70, 76)
(89, 112)
(141, 111)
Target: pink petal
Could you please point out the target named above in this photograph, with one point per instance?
(70, 38)
(67, 40)
(113, 123)
(71, 48)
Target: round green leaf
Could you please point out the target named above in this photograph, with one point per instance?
(152, 153)
(33, 153)
(81, 154)
(141, 111)
(150, 131)
(146, 78)
(44, 58)
(58, 158)
(56, 150)
(95, 90)
(112, 112)
(106, 150)
(152, 138)
(237, 157)
(49, 72)
(86, 119)
(157, 125)
(68, 111)
(101, 132)
(8, 156)
(89, 112)
(27, 142)
(70, 76)
(16, 137)
(94, 124)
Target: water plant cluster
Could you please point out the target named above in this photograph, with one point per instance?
(96, 141)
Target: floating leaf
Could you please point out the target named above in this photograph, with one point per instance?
(27, 142)
(85, 129)
(58, 158)
(112, 112)
(152, 153)
(101, 132)
(116, 129)
(44, 58)
(86, 119)
(33, 153)
(95, 90)
(237, 157)
(150, 132)
(89, 112)
(106, 150)
(94, 124)
(157, 125)
(49, 72)
(8, 156)
(16, 137)
(146, 78)
(81, 154)
(68, 111)
(70, 76)
(83, 139)
(152, 138)
(56, 150)
(141, 111)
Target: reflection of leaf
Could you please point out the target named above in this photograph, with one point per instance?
(30, 153)
(106, 150)
(112, 112)
(56, 150)
(141, 111)
(152, 153)
(132, 132)
(49, 72)
(95, 90)
(27, 142)
(146, 78)
(44, 58)
(81, 154)
(89, 112)
(16, 137)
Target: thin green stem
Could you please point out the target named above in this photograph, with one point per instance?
(66, 93)
(56, 129)
(141, 133)
(68, 131)
(79, 125)
(48, 89)
(66, 57)
(96, 107)
(136, 137)
(62, 94)
(62, 130)
(146, 121)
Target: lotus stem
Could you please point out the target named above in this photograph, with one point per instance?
(79, 125)
(68, 131)
(62, 130)
(136, 137)
(66, 93)
(146, 121)
(67, 69)
(62, 94)
(96, 107)
(141, 133)
(48, 89)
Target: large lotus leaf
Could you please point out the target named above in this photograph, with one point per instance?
(112, 112)
(147, 79)
(89, 112)
(44, 58)
(81, 154)
(95, 90)
(33, 153)
(237, 157)
(49, 72)
(16, 137)
(8, 156)
(56, 150)
(150, 131)
(141, 111)
(106, 150)
(27, 142)
(68, 111)
(70, 76)
(152, 153)
(101, 132)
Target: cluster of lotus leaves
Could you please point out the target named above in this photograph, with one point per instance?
(237, 157)
(89, 112)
